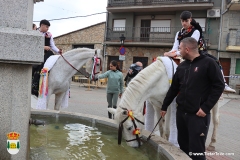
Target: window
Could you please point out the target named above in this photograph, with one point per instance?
(202, 23)
(119, 24)
(160, 25)
(237, 71)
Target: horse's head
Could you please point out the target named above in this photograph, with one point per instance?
(131, 124)
(99, 62)
(151, 83)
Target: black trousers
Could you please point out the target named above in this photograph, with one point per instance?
(36, 73)
(192, 134)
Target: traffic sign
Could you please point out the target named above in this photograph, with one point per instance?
(121, 58)
(122, 50)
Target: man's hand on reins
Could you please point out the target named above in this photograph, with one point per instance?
(162, 113)
(171, 54)
(60, 51)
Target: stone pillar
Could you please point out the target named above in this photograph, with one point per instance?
(20, 47)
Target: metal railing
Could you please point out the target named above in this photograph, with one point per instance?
(116, 3)
(146, 34)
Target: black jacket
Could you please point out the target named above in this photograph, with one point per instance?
(198, 84)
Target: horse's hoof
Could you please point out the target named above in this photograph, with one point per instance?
(211, 148)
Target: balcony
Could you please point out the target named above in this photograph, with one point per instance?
(233, 40)
(233, 5)
(115, 6)
(145, 36)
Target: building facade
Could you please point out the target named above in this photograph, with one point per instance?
(89, 37)
(149, 28)
(229, 48)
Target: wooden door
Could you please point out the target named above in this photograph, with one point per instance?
(145, 30)
(226, 63)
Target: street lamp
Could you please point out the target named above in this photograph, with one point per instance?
(122, 39)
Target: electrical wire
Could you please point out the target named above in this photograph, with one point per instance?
(73, 17)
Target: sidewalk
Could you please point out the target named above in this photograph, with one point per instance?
(228, 140)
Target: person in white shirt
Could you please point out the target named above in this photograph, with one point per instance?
(49, 48)
(192, 29)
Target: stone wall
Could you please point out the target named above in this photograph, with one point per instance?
(135, 52)
(90, 35)
(231, 21)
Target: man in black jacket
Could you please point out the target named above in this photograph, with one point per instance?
(198, 84)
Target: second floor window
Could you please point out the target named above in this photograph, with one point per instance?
(119, 24)
(160, 25)
(202, 23)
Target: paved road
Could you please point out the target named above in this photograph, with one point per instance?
(228, 137)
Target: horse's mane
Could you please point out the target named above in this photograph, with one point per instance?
(77, 50)
(140, 83)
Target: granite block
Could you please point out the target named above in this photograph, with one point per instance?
(21, 46)
(15, 89)
(18, 14)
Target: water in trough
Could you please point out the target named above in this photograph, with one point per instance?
(71, 138)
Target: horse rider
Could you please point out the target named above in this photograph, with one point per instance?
(49, 48)
(192, 29)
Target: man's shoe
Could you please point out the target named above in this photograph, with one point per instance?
(228, 89)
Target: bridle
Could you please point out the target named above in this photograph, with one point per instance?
(77, 69)
(136, 131)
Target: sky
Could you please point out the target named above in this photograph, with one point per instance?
(56, 9)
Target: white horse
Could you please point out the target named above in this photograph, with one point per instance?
(61, 73)
(150, 84)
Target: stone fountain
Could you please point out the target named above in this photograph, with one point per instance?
(20, 48)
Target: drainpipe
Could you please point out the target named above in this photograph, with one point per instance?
(220, 30)
(104, 45)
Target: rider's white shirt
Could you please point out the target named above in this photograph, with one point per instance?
(52, 44)
(195, 35)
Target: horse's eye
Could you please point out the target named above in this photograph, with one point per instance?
(124, 112)
(130, 128)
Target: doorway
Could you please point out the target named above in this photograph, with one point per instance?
(226, 63)
(145, 30)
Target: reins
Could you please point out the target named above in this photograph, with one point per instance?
(154, 128)
(73, 66)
